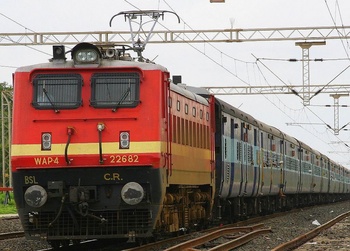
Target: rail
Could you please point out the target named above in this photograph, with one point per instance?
(290, 245)
(12, 235)
(254, 232)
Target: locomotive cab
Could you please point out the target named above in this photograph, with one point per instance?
(94, 163)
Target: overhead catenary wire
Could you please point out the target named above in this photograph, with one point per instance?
(305, 107)
(335, 24)
(300, 60)
(26, 29)
(317, 136)
(220, 64)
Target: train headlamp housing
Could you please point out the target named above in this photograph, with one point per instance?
(86, 56)
(132, 193)
(124, 140)
(35, 196)
(46, 141)
(86, 53)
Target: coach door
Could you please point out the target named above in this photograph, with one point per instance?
(246, 154)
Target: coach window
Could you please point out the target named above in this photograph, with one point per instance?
(57, 91)
(178, 105)
(114, 90)
(194, 111)
(186, 108)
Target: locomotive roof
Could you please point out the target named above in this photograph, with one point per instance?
(104, 63)
(180, 89)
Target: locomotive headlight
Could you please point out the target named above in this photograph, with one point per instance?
(46, 139)
(85, 53)
(124, 140)
(132, 193)
(35, 196)
(86, 56)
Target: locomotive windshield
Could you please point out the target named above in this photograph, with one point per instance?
(57, 91)
(113, 90)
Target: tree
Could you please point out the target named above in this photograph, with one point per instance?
(6, 111)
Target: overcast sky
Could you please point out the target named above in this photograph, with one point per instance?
(216, 64)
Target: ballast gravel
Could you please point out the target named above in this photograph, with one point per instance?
(283, 229)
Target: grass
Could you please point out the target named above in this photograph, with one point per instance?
(10, 207)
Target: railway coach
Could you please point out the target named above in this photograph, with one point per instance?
(260, 169)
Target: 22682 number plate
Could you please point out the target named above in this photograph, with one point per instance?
(115, 159)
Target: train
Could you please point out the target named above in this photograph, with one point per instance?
(108, 147)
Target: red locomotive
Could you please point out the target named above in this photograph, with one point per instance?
(107, 148)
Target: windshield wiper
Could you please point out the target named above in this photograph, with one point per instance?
(125, 95)
(49, 99)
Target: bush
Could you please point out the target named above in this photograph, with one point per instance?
(10, 207)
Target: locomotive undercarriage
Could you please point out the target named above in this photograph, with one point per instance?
(79, 221)
(69, 225)
(75, 210)
(185, 208)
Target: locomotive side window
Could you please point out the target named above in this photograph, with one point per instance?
(113, 90)
(57, 91)
(178, 105)
(194, 111)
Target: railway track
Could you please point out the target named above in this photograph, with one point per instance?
(300, 240)
(183, 243)
(231, 237)
(11, 235)
(285, 226)
(240, 233)
(239, 238)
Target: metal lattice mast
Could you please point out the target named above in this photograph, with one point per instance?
(305, 46)
(336, 111)
(6, 118)
(306, 74)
